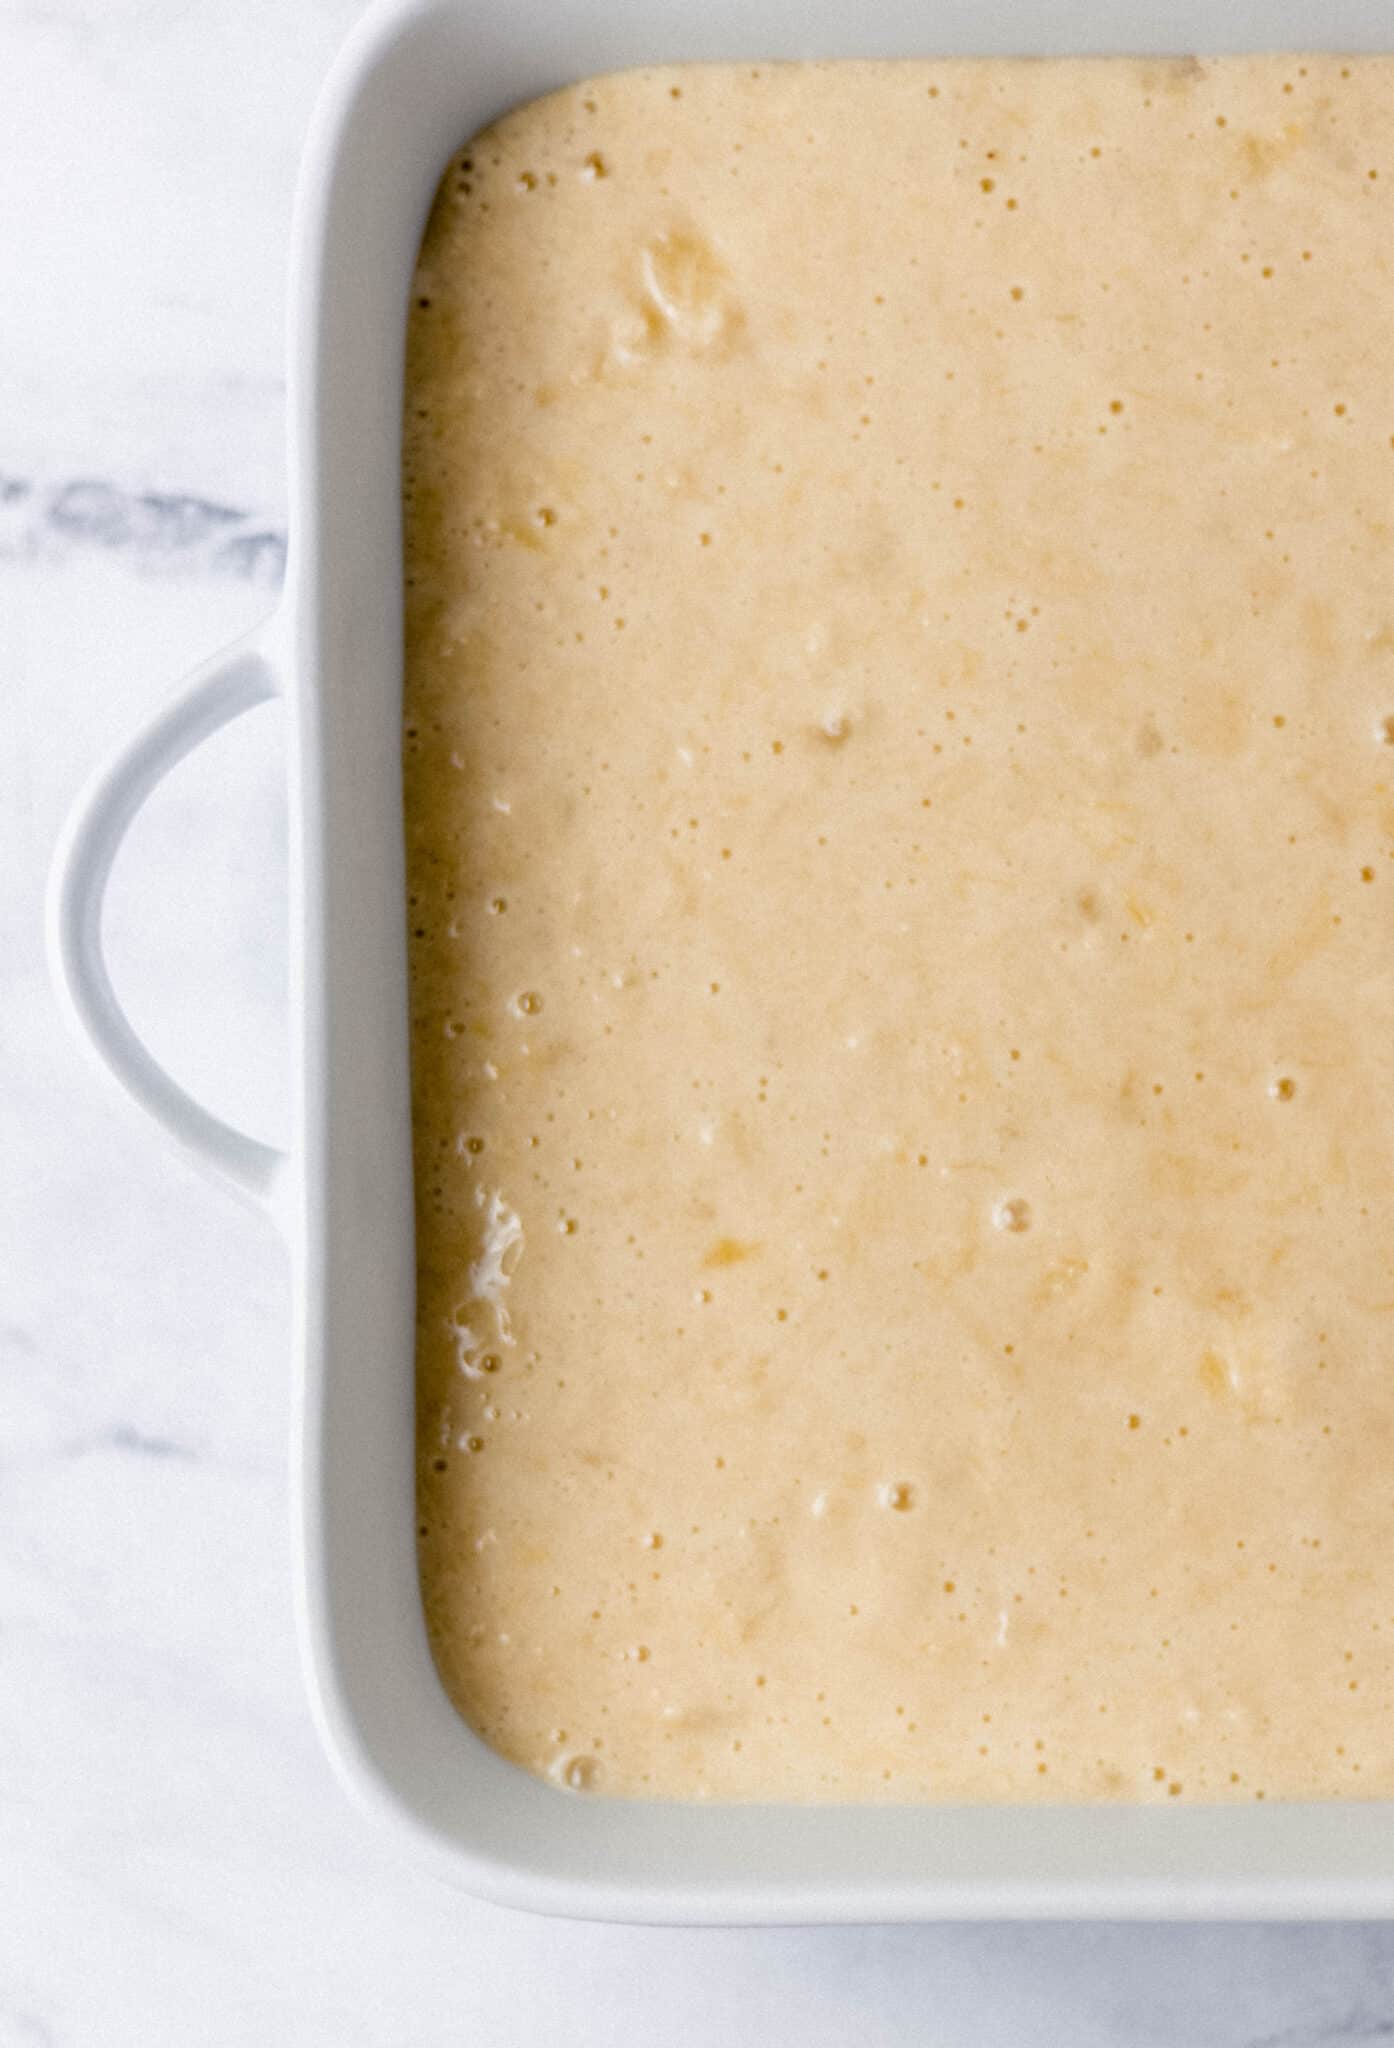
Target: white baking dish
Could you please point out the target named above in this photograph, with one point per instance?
(417, 78)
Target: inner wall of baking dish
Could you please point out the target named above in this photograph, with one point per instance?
(417, 82)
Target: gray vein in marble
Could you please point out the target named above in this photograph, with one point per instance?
(123, 1437)
(22, 2026)
(116, 1439)
(152, 531)
(1354, 2030)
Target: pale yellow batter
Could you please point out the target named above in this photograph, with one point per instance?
(900, 806)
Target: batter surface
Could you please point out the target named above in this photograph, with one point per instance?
(900, 812)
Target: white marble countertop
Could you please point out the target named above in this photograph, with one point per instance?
(176, 1864)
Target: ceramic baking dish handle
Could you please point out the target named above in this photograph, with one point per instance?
(231, 683)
